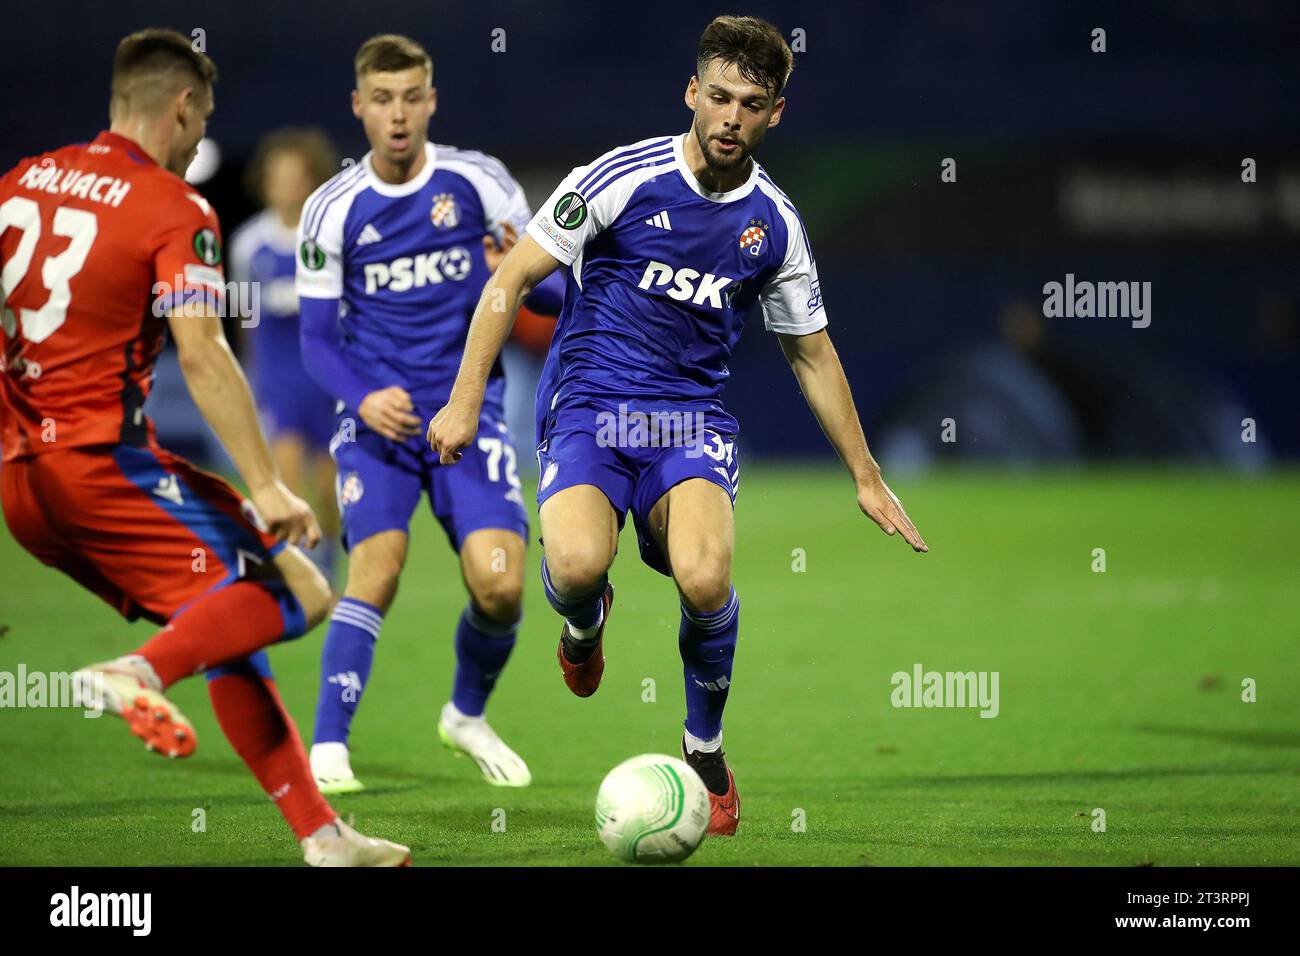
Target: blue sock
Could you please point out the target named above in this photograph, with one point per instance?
(708, 644)
(482, 648)
(580, 611)
(345, 661)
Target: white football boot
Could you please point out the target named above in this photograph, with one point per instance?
(500, 765)
(332, 770)
(337, 844)
(129, 688)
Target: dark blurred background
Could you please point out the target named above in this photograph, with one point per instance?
(1122, 166)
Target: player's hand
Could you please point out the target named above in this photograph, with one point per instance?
(452, 429)
(285, 515)
(883, 507)
(494, 251)
(388, 411)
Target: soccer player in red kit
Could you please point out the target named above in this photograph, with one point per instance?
(100, 243)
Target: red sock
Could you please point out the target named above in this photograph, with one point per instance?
(254, 720)
(222, 626)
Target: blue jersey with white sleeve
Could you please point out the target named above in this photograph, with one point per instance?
(290, 400)
(407, 266)
(661, 273)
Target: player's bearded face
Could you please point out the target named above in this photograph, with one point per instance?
(395, 109)
(732, 116)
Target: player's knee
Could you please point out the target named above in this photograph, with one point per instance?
(499, 597)
(295, 572)
(576, 567)
(705, 586)
(313, 593)
(316, 601)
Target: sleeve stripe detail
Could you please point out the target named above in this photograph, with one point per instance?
(785, 201)
(490, 161)
(315, 210)
(338, 182)
(347, 196)
(494, 168)
(660, 162)
(452, 164)
(762, 174)
(618, 156)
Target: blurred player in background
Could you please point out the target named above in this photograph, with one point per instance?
(288, 165)
(99, 243)
(393, 254)
(668, 243)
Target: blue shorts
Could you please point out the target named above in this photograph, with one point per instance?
(379, 481)
(632, 471)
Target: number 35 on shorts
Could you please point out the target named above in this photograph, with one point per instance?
(722, 458)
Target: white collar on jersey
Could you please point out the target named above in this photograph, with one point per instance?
(407, 188)
(740, 192)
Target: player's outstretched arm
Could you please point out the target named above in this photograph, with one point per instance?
(821, 377)
(547, 296)
(456, 424)
(219, 389)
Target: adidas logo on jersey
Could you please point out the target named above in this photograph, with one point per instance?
(368, 235)
(427, 268)
(687, 284)
(660, 220)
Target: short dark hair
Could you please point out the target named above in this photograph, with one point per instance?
(390, 53)
(153, 65)
(754, 46)
(311, 144)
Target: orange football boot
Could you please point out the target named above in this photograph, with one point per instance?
(584, 678)
(724, 800)
(119, 687)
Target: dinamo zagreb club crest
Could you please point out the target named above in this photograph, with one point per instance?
(444, 214)
(752, 239)
(570, 211)
(351, 489)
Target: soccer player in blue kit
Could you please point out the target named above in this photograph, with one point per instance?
(666, 243)
(392, 255)
(287, 166)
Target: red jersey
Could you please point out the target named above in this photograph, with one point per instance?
(97, 242)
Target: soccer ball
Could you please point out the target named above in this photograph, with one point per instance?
(652, 809)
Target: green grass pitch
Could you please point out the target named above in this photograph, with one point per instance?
(1119, 690)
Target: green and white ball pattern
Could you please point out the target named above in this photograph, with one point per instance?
(652, 809)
